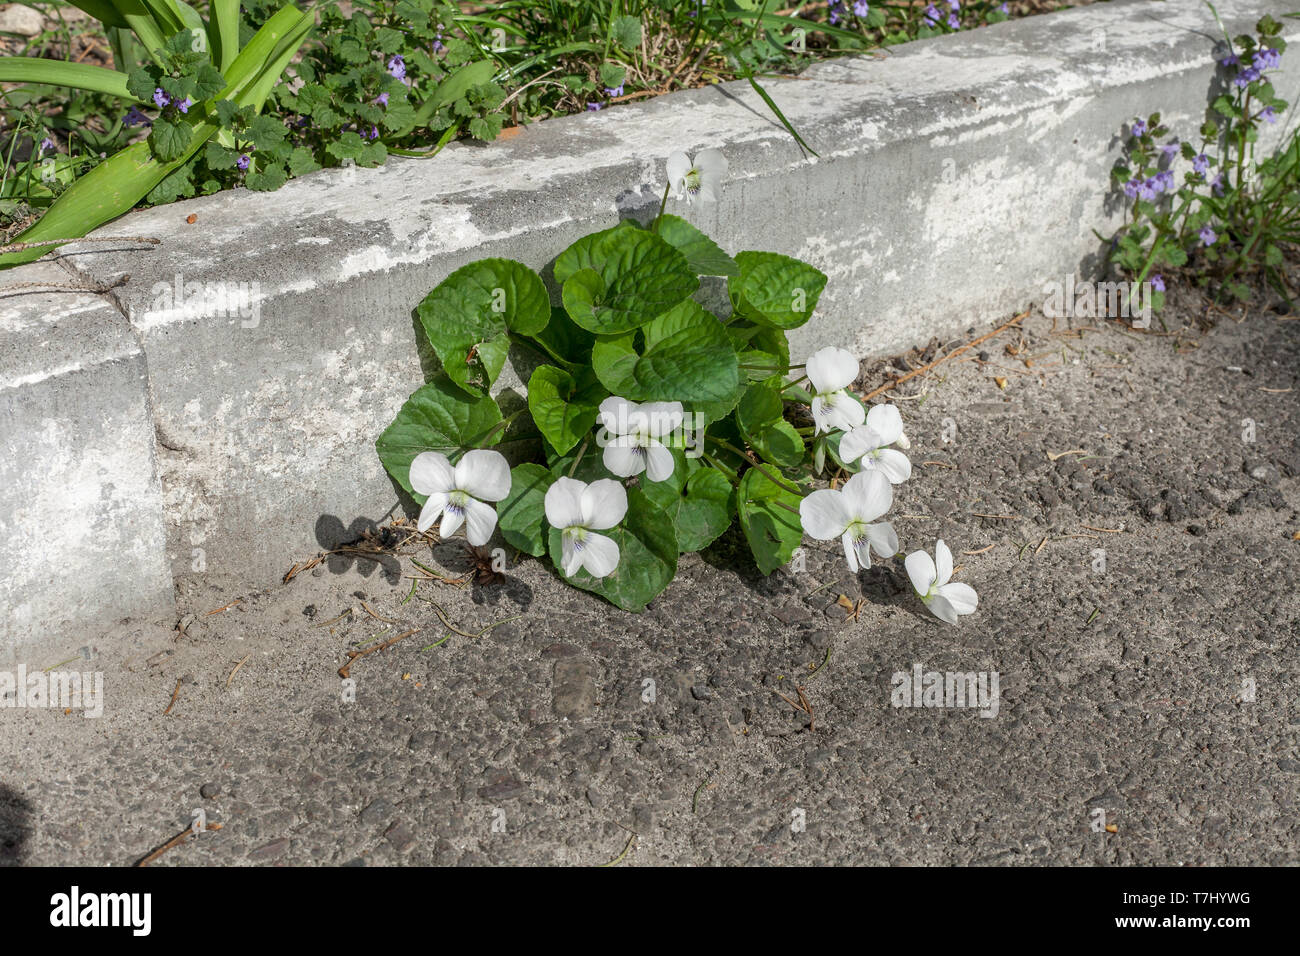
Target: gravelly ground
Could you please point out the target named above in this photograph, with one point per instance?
(1120, 689)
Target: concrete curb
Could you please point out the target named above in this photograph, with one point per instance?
(265, 400)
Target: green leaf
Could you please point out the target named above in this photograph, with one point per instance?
(642, 275)
(760, 416)
(564, 340)
(699, 501)
(469, 316)
(627, 31)
(208, 82)
(687, 357)
(169, 139)
(437, 417)
(703, 255)
(775, 289)
(564, 407)
(349, 145)
(773, 532)
(454, 87)
(521, 515)
(647, 559)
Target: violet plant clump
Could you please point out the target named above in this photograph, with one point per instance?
(1234, 210)
(651, 424)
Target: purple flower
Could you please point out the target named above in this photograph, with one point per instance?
(1139, 127)
(1268, 115)
(1229, 60)
(397, 67)
(243, 161)
(861, 8)
(1170, 148)
(1217, 184)
(953, 21)
(1201, 164)
(1266, 59)
(616, 91)
(160, 98)
(381, 100)
(955, 4)
(438, 45)
(931, 15)
(1207, 236)
(185, 104)
(1003, 9)
(47, 143)
(1246, 77)
(1147, 190)
(134, 117)
(1131, 189)
(593, 107)
(1158, 282)
(1164, 180)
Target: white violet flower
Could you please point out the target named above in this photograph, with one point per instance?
(458, 494)
(848, 514)
(579, 510)
(945, 599)
(831, 371)
(700, 179)
(637, 431)
(870, 443)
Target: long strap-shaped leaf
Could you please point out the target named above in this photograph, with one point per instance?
(117, 184)
(80, 76)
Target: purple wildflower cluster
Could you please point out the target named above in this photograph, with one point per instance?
(162, 101)
(1150, 187)
(1262, 60)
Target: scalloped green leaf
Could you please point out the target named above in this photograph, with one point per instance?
(703, 255)
(774, 289)
(773, 531)
(468, 318)
(564, 406)
(686, 356)
(521, 515)
(641, 276)
(437, 417)
(698, 500)
(760, 416)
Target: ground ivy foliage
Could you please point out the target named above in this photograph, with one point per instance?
(651, 424)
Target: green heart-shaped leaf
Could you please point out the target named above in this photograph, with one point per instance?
(772, 530)
(698, 500)
(702, 254)
(564, 406)
(775, 290)
(641, 276)
(437, 417)
(760, 416)
(521, 515)
(470, 314)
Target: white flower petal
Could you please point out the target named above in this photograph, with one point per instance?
(831, 369)
(599, 555)
(943, 562)
(659, 462)
(857, 443)
(604, 504)
(564, 503)
(852, 553)
(480, 522)
(712, 166)
(920, 569)
(824, 515)
(431, 472)
(616, 414)
(660, 419)
(942, 608)
(624, 457)
(893, 464)
(483, 474)
(843, 411)
(884, 539)
(677, 167)
(961, 596)
(432, 508)
(867, 495)
(886, 422)
(820, 421)
(452, 519)
(569, 559)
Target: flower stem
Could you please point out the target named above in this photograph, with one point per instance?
(763, 471)
(662, 203)
(581, 451)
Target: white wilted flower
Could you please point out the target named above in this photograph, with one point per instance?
(946, 599)
(698, 179)
(870, 442)
(831, 371)
(458, 493)
(580, 510)
(637, 432)
(848, 514)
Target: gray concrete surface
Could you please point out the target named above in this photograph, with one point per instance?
(956, 176)
(81, 520)
(1122, 685)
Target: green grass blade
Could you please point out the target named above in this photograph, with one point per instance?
(225, 16)
(81, 76)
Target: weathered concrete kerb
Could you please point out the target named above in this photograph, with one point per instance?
(232, 389)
